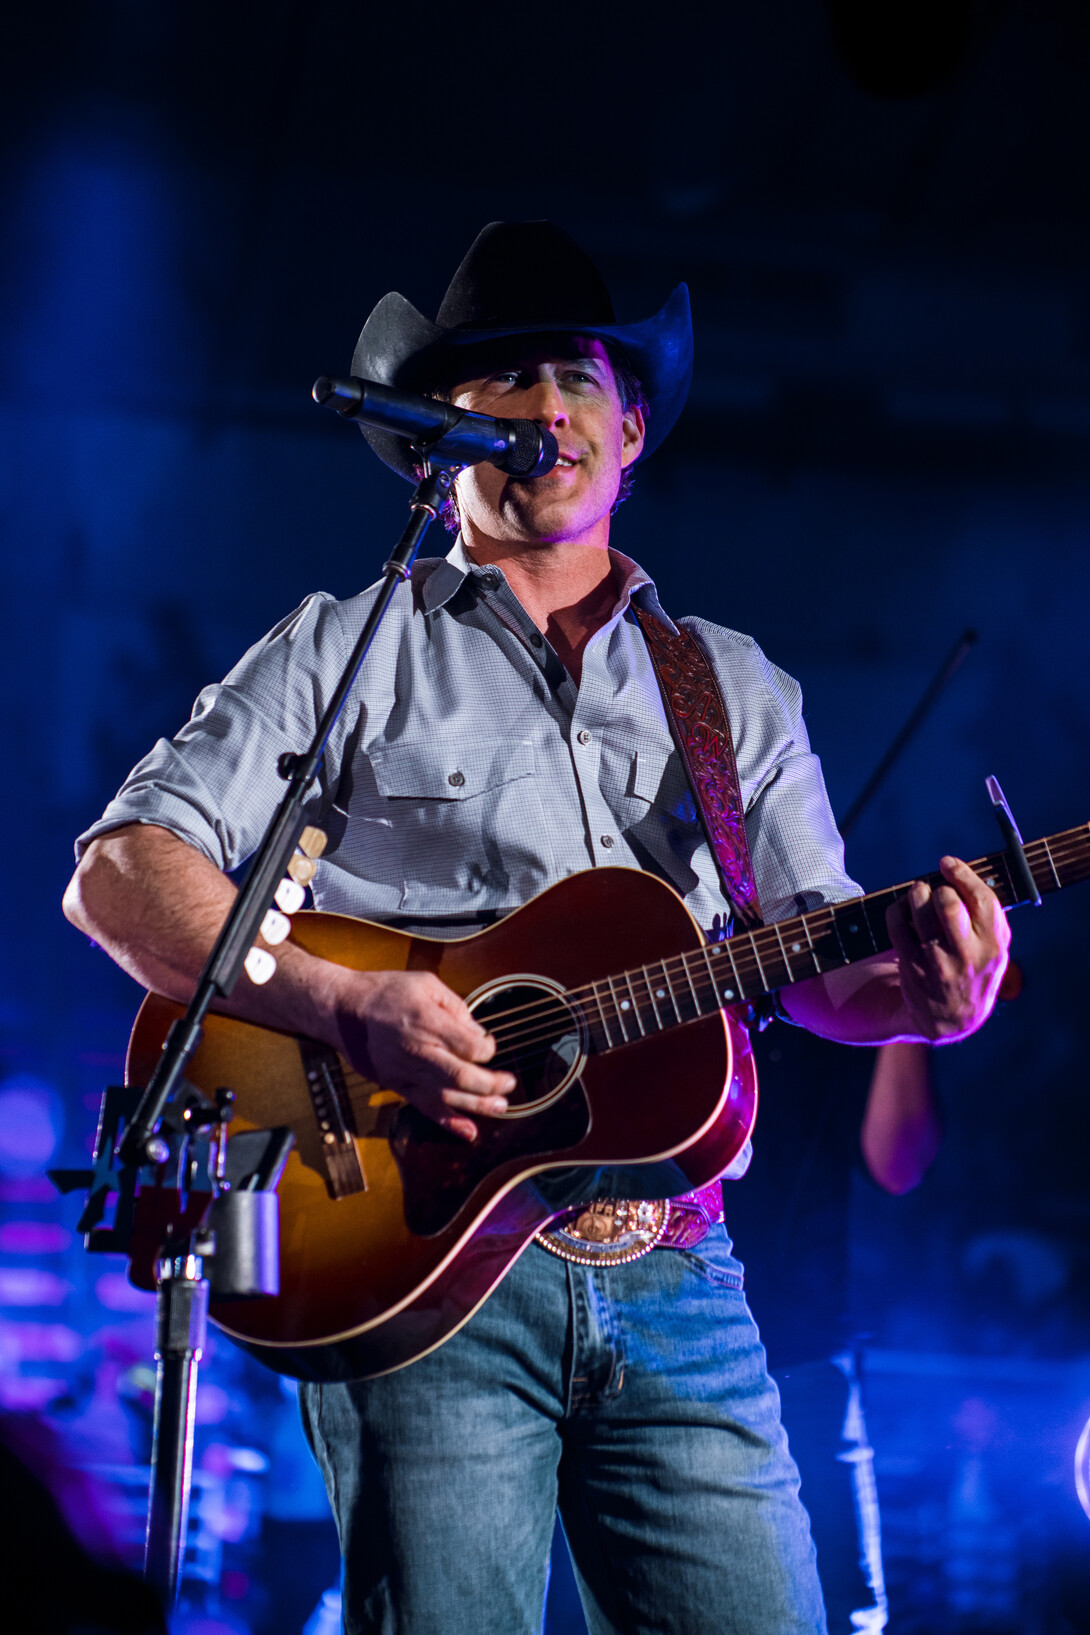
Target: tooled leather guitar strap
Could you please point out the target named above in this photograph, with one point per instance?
(613, 1231)
(701, 728)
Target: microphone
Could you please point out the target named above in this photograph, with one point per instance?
(520, 447)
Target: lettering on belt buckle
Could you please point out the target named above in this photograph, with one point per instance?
(611, 1232)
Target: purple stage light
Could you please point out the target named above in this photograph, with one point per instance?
(30, 1395)
(34, 1238)
(27, 1286)
(116, 1293)
(39, 1342)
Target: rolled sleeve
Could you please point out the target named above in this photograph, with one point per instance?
(215, 784)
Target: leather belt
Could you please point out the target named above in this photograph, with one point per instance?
(614, 1231)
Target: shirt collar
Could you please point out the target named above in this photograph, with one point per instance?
(451, 572)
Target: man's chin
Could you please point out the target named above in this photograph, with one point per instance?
(547, 518)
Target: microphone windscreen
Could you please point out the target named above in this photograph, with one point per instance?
(535, 452)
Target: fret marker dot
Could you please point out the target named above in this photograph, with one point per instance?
(853, 928)
(625, 1006)
(728, 993)
(660, 993)
(796, 948)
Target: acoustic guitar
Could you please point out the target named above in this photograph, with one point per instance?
(626, 1031)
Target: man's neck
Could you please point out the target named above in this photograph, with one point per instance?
(568, 590)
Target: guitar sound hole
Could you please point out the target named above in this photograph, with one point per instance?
(539, 1040)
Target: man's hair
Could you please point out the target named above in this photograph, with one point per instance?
(629, 390)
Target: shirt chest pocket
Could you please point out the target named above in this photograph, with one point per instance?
(450, 769)
(466, 818)
(661, 781)
(662, 821)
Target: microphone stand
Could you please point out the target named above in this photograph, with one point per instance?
(234, 1251)
(224, 964)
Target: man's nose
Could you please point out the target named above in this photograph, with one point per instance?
(545, 405)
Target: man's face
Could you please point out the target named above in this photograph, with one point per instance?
(568, 387)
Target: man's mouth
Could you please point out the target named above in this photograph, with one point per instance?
(567, 460)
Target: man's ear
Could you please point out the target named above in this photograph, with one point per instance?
(634, 429)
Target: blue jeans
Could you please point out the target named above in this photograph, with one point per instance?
(636, 1397)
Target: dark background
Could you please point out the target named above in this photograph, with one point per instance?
(882, 214)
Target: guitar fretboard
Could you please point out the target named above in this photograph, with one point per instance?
(666, 993)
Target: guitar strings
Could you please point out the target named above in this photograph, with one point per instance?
(512, 1037)
(748, 954)
(524, 1033)
(766, 941)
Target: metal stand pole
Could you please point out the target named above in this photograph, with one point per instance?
(180, 1327)
(225, 962)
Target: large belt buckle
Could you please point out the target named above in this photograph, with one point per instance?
(611, 1232)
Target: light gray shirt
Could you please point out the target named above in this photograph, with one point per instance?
(468, 771)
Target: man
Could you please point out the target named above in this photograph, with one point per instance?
(509, 731)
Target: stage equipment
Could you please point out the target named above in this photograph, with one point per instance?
(1021, 873)
(200, 1209)
(206, 1213)
(522, 448)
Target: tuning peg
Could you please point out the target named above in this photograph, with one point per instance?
(290, 895)
(259, 965)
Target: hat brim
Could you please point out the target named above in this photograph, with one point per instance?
(399, 347)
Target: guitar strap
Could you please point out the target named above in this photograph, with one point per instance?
(613, 1231)
(701, 728)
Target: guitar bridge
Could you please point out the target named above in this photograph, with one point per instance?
(334, 1118)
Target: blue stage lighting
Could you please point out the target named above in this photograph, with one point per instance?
(1082, 1468)
(31, 1125)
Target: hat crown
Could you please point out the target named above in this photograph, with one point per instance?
(525, 272)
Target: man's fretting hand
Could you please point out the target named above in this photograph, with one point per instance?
(409, 1032)
(951, 946)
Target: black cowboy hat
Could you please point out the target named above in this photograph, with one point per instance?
(522, 278)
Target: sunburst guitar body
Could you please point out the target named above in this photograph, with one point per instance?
(392, 1233)
(624, 1029)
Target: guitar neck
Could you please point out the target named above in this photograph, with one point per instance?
(623, 1008)
(788, 951)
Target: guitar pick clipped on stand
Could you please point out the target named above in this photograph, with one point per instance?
(289, 897)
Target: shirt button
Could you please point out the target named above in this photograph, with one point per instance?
(607, 841)
(583, 736)
(457, 779)
(536, 639)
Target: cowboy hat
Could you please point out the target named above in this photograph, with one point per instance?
(522, 278)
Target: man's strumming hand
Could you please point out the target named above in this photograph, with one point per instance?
(409, 1032)
(157, 905)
